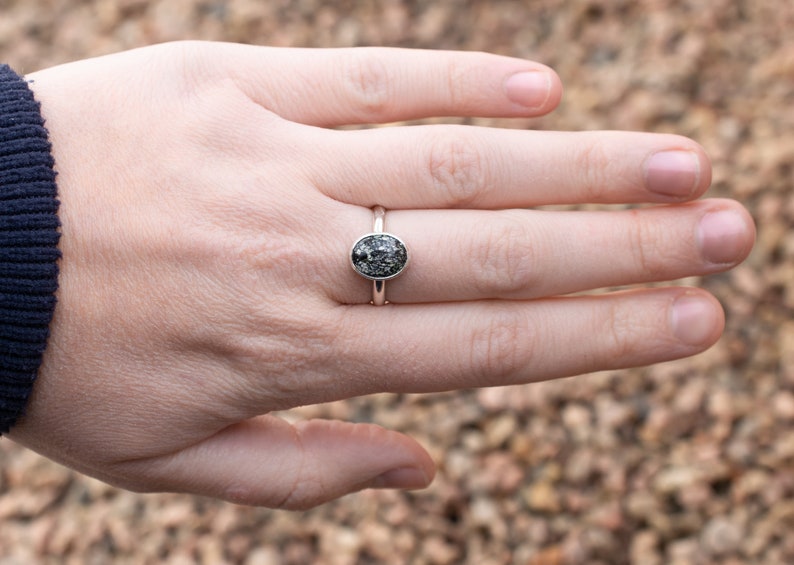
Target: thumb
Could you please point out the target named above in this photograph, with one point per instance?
(266, 461)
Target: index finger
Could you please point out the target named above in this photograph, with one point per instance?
(334, 87)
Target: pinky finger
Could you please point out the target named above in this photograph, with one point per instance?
(426, 348)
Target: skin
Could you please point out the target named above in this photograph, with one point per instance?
(208, 207)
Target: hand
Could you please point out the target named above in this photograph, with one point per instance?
(208, 214)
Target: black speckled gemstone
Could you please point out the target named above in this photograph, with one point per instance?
(379, 256)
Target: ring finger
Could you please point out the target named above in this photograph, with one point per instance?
(459, 255)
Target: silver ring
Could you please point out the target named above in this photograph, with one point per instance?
(379, 256)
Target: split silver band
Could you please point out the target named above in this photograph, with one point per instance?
(379, 256)
(378, 286)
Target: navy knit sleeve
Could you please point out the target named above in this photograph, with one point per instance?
(29, 232)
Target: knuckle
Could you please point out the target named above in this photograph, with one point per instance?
(502, 259)
(500, 348)
(646, 248)
(457, 76)
(594, 165)
(620, 331)
(307, 490)
(464, 83)
(368, 81)
(456, 168)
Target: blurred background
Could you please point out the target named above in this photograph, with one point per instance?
(690, 462)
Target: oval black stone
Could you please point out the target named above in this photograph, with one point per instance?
(379, 256)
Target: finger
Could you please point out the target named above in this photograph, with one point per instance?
(333, 87)
(473, 167)
(268, 462)
(458, 255)
(427, 348)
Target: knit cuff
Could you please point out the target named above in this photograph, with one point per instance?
(29, 233)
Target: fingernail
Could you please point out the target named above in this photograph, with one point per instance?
(530, 89)
(672, 173)
(722, 237)
(693, 319)
(401, 478)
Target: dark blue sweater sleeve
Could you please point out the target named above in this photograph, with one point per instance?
(29, 232)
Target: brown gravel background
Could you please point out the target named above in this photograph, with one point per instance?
(690, 462)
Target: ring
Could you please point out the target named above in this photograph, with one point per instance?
(379, 256)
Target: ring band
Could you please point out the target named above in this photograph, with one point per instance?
(378, 286)
(379, 256)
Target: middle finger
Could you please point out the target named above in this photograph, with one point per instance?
(477, 167)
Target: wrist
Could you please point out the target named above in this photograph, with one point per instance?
(29, 232)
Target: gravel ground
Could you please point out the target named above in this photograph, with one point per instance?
(690, 462)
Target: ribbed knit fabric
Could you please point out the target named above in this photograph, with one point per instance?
(29, 232)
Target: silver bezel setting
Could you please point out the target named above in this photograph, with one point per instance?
(388, 235)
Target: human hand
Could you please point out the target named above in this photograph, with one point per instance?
(208, 213)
